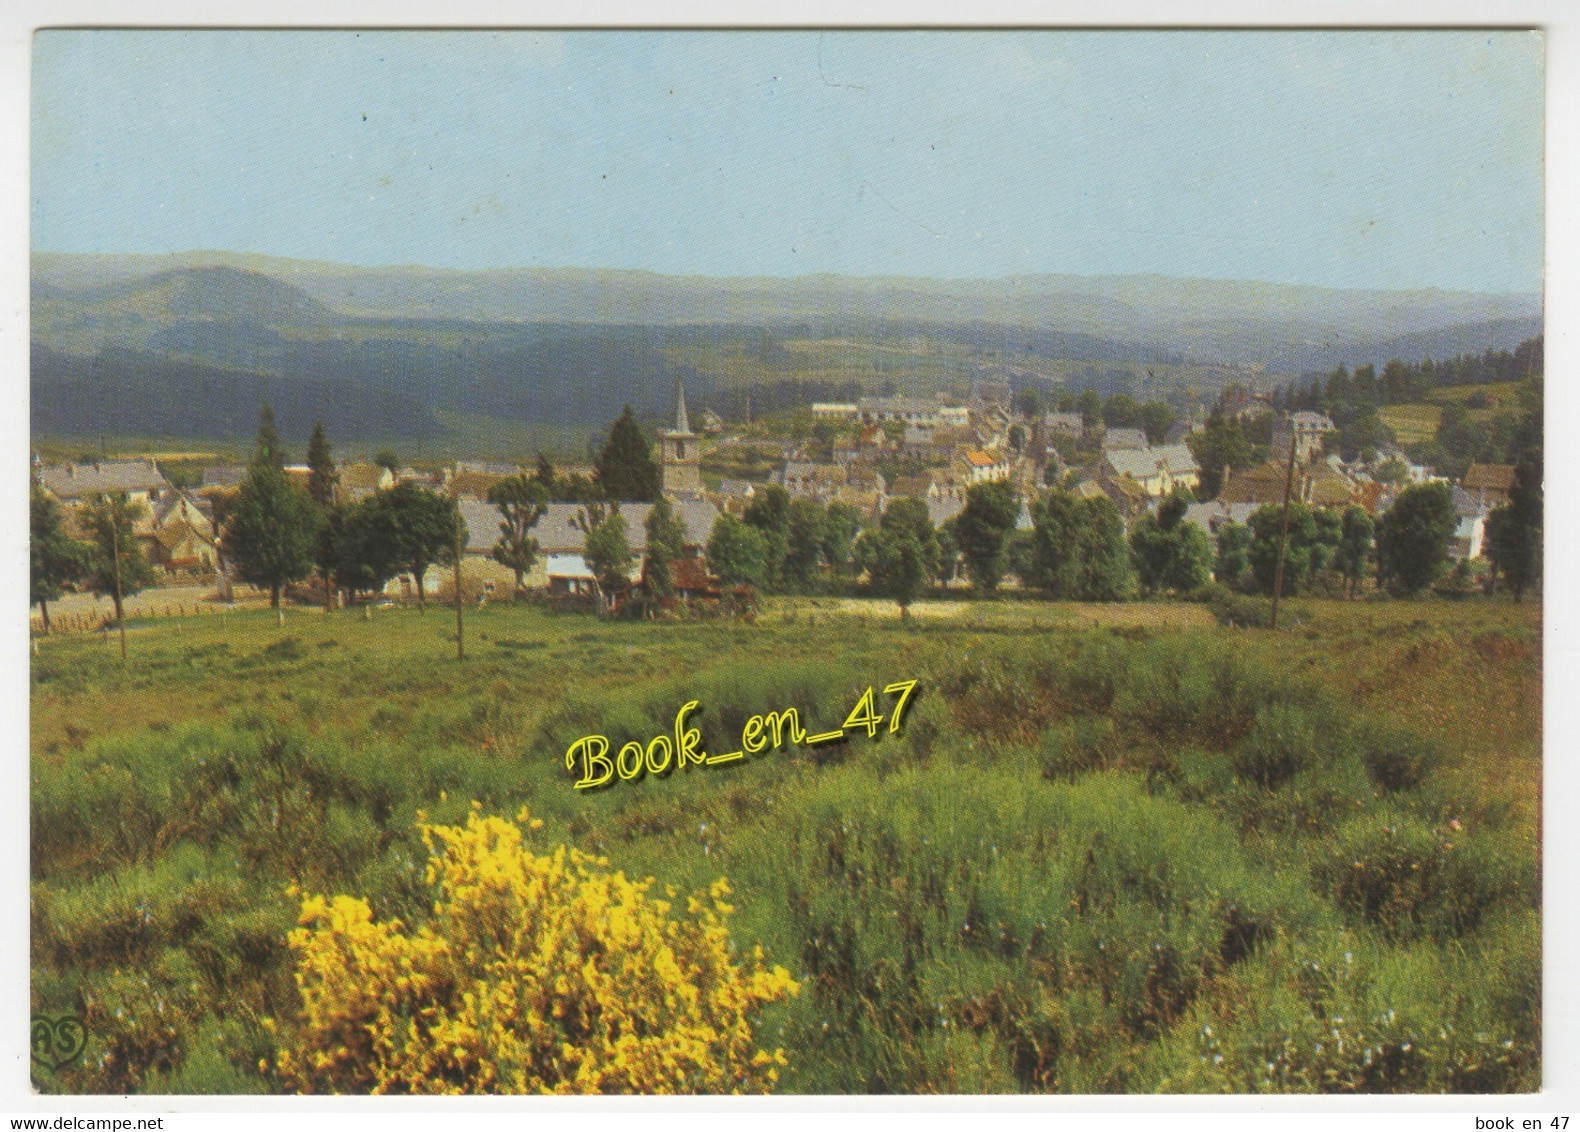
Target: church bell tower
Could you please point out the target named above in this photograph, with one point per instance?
(682, 460)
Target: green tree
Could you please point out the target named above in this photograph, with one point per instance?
(387, 460)
(607, 552)
(521, 501)
(899, 567)
(269, 448)
(1413, 536)
(321, 479)
(911, 515)
(1103, 572)
(116, 566)
(1514, 531)
(948, 555)
(626, 470)
(320, 467)
(1156, 418)
(273, 532)
(1221, 445)
(1056, 518)
(983, 528)
(1029, 404)
(840, 523)
(1090, 404)
(272, 536)
(543, 474)
(1169, 554)
(1355, 547)
(417, 527)
(1078, 549)
(1363, 437)
(804, 538)
(1330, 533)
(326, 548)
(1306, 550)
(1392, 470)
(1121, 411)
(769, 512)
(1234, 543)
(666, 541)
(55, 559)
(737, 552)
(363, 547)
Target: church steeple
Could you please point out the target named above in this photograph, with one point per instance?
(682, 423)
(682, 453)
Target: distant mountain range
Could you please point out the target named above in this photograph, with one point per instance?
(192, 342)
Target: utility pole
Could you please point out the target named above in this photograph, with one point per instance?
(1283, 535)
(460, 647)
(115, 546)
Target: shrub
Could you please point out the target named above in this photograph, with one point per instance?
(286, 648)
(1083, 744)
(536, 974)
(1240, 611)
(1408, 879)
(1282, 743)
(1395, 758)
(1183, 689)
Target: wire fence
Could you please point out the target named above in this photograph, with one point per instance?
(98, 620)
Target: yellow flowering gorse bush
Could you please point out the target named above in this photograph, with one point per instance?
(535, 974)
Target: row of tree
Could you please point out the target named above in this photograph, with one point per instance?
(1077, 548)
(1399, 383)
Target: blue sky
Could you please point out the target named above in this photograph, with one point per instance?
(1390, 160)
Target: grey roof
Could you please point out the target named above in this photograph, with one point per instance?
(1114, 438)
(940, 511)
(174, 498)
(1211, 516)
(567, 566)
(797, 469)
(1307, 421)
(1065, 422)
(557, 532)
(1143, 463)
(897, 405)
(1468, 504)
(74, 481)
(230, 476)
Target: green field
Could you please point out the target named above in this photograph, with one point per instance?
(1112, 849)
(1411, 423)
(1418, 421)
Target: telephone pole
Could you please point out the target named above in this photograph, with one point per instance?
(460, 645)
(1283, 535)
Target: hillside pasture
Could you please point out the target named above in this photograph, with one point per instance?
(1150, 856)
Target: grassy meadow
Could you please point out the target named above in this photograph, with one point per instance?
(1115, 849)
(1417, 421)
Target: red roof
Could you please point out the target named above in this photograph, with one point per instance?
(1492, 477)
(691, 576)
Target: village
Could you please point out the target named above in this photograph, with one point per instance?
(936, 450)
